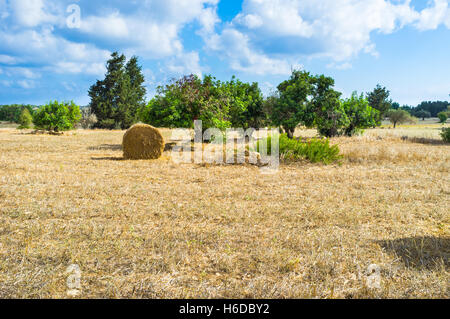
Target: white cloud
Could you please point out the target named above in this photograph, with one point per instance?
(31, 13)
(50, 52)
(22, 72)
(272, 31)
(187, 63)
(34, 34)
(6, 83)
(279, 17)
(6, 59)
(153, 28)
(235, 46)
(26, 84)
(97, 69)
(431, 18)
(208, 19)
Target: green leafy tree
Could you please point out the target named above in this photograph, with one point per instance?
(181, 102)
(328, 111)
(422, 114)
(25, 119)
(56, 116)
(379, 100)
(269, 105)
(442, 116)
(360, 115)
(292, 106)
(399, 117)
(245, 104)
(116, 99)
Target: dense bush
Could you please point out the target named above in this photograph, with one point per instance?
(313, 150)
(443, 116)
(56, 116)
(446, 134)
(25, 119)
(88, 119)
(359, 114)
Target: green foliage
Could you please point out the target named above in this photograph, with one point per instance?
(56, 116)
(312, 101)
(245, 104)
(181, 102)
(422, 114)
(25, 119)
(11, 113)
(434, 107)
(443, 116)
(314, 150)
(291, 108)
(116, 99)
(360, 115)
(327, 110)
(215, 103)
(446, 134)
(379, 100)
(399, 117)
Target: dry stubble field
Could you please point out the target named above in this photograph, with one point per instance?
(155, 229)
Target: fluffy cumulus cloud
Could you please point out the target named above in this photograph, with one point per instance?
(269, 33)
(46, 35)
(43, 39)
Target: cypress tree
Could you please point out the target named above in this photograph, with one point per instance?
(116, 99)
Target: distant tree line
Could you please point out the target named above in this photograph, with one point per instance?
(11, 113)
(118, 101)
(424, 109)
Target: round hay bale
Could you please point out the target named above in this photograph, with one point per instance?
(142, 141)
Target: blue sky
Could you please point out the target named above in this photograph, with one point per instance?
(48, 51)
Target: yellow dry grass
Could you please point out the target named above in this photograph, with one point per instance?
(155, 229)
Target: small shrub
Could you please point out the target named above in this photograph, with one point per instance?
(446, 134)
(314, 150)
(443, 116)
(25, 119)
(88, 119)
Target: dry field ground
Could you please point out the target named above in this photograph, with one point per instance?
(156, 229)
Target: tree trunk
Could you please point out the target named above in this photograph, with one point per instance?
(290, 133)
